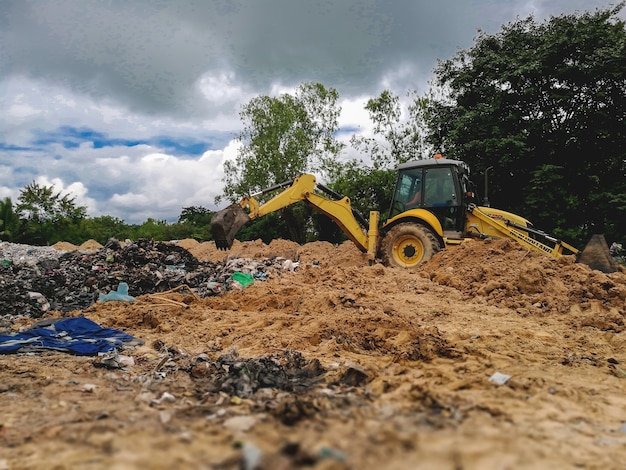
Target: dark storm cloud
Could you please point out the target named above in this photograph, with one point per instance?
(150, 55)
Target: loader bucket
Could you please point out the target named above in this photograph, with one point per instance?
(596, 255)
(226, 223)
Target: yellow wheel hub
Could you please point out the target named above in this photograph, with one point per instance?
(408, 251)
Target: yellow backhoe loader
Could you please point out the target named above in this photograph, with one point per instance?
(433, 206)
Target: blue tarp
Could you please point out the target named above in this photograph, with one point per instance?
(78, 335)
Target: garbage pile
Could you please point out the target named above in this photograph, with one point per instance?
(288, 371)
(34, 280)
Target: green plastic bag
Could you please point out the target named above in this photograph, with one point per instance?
(243, 279)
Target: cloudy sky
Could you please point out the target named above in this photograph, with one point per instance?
(132, 106)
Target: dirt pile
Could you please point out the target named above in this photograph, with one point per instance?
(488, 357)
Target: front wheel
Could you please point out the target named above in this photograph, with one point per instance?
(408, 245)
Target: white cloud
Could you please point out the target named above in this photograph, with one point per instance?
(75, 190)
(162, 184)
(169, 75)
(221, 88)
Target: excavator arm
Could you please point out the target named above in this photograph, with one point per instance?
(226, 223)
(502, 227)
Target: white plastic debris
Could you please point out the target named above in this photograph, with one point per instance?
(290, 266)
(88, 388)
(166, 397)
(499, 379)
(240, 423)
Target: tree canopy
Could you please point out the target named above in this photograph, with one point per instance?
(545, 106)
(45, 211)
(282, 138)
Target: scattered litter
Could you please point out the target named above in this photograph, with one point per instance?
(240, 423)
(499, 378)
(78, 335)
(331, 453)
(214, 287)
(240, 378)
(121, 294)
(243, 279)
(165, 397)
(289, 265)
(250, 457)
(75, 280)
(44, 305)
(165, 416)
(114, 360)
(88, 388)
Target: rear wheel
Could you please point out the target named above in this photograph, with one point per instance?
(408, 245)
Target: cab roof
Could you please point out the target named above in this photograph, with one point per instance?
(430, 162)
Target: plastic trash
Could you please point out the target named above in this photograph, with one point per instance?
(214, 286)
(42, 302)
(289, 265)
(244, 279)
(121, 294)
(499, 378)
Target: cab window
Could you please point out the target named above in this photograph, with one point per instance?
(409, 185)
(439, 188)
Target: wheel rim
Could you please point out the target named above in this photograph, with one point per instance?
(408, 251)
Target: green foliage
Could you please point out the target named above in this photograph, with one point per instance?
(284, 137)
(104, 228)
(197, 220)
(195, 215)
(267, 228)
(10, 223)
(152, 228)
(544, 104)
(47, 218)
(368, 188)
(399, 135)
(47, 215)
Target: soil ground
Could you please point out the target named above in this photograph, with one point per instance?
(487, 357)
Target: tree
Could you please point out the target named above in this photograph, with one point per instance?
(195, 215)
(545, 106)
(47, 214)
(284, 137)
(9, 221)
(152, 228)
(398, 136)
(368, 187)
(199, 220)
(103, 228)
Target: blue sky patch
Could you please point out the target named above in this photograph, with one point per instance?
(13, 148)
(348, 130)
(72, 137)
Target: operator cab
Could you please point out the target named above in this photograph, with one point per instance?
(439, 185)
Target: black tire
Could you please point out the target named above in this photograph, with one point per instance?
(408, 245)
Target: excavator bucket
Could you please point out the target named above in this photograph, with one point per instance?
(226, 223)
(596, 255)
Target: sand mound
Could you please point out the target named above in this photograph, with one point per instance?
(65, 246)
(489, 356)
(90, 245)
